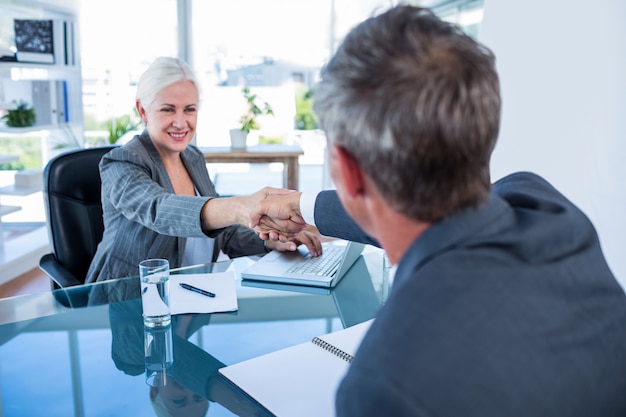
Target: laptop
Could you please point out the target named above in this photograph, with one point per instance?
(301, 268)
(355, 297)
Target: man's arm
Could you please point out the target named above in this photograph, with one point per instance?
(332, 219)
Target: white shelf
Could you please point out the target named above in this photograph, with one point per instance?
(32, 71)
(30, 129)
(13, 190)
(4, 210)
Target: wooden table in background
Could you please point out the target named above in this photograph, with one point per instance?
(260, 154)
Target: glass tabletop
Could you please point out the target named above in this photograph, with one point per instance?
(81, 351)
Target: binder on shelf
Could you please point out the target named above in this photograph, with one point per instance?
(300, 380)
(50, 102)
(42, 102)
(68, 43)
(60, 108)
(64, 50)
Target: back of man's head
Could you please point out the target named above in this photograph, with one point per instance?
(417, 103)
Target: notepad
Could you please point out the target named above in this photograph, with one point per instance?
(300, 380)
(222, 284)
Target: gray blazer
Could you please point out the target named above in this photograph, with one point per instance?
(144, 218)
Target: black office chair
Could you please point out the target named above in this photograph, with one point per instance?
(71, 193)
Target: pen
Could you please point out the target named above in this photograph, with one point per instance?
(198, 290)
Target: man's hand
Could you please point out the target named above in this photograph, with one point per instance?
(278, 212)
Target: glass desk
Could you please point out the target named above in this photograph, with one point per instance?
(60, 360)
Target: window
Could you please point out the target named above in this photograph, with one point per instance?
(119, 39)
(276, 48)
(466, 13)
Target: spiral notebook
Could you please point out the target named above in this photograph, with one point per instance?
(300, 380)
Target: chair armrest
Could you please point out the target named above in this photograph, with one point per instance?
(57, 272)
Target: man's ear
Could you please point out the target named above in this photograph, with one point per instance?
(350, 172)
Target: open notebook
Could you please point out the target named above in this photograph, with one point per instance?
(301, 380)
(300, 268)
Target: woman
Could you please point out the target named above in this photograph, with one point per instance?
(157, 198)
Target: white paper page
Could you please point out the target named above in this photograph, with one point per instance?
(298, 381)
(222, 284)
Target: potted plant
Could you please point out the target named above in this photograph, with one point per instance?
(248, 121)
(21, 116)
(118, 127)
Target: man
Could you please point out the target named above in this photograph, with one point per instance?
(502, 302)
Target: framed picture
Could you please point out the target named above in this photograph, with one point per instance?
(34, 40)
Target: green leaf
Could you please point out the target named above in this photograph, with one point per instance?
(21, 116)
(248, 120)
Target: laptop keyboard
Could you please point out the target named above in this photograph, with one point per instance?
(323, 265)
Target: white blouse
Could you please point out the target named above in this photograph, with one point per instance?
(198, 250)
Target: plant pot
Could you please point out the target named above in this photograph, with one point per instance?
(238, 139)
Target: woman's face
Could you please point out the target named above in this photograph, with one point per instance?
(171, 118)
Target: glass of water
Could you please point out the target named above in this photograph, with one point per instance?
(155, 292)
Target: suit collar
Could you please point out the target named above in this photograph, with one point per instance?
(450, 232)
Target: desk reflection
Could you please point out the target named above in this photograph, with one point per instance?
(191, 381)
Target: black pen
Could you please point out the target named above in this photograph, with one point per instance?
(198, 290)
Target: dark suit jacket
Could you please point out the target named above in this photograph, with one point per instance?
(505, 310)
(144, 218)
(331, 219)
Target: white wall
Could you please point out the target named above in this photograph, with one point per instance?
(562, 65)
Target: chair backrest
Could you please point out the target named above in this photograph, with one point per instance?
(72, 199)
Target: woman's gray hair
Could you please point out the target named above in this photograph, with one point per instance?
(163, 72)
(417, 103)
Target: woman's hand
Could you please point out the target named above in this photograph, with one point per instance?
(305, 237)
(223, 212)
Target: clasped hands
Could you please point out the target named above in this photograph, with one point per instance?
(277, 219)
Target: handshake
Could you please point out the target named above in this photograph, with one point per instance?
(275, 214)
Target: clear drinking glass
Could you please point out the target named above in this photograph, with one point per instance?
(155, 292)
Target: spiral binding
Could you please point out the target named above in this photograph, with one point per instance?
(332, 349)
